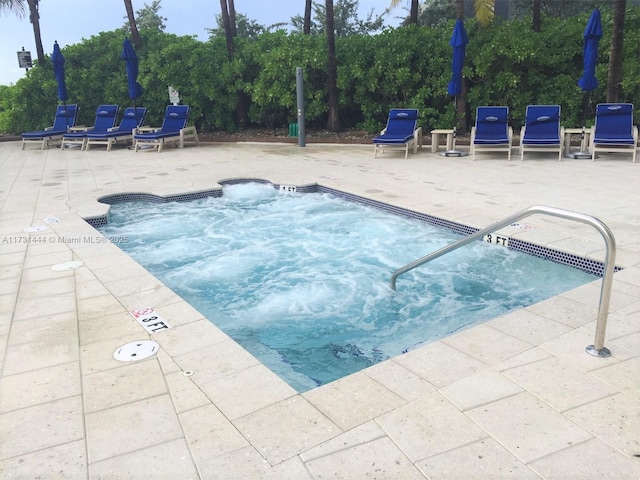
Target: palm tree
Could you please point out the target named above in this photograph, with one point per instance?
(226, 21)
(232, 18)
(306, 28)
(535, 24)
(615, 55)
(413, 12)
(34, 17)
(333, 120)
(135, 36)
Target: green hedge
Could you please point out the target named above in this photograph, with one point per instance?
(506, 64)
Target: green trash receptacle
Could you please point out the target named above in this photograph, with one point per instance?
(293, 129)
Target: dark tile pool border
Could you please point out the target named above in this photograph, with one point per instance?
(593, 267)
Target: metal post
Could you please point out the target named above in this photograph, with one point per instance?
(300, 99)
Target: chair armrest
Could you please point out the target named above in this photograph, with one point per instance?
(417, 137)
(80, 128)
(147, 129)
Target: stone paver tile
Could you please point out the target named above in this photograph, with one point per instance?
(615, 420)
(558, 383)
(485, 386)
(39, 278)
(39, 386)
(572, 347)
(192, 336)
(359, 435)
(10, 286)
(209, 433)
(115, 325)
(99, 306)
(169, 460)
(248, 463)
(8, 303)
(44, 306)
(566, 311)
(440, 364)
(481, 460)
(128, 428)
(487, 344)
(622, 375)
(247, 391)
(529, 327)
(185, 394)
(44, 329)
(353, 400)
(211, 363)
(168, 365)
(286, 429)
(530, 356)
(627, 346)
(376, 459)
(131, 382)
(41, 426)
(41, 354)
(90, 289)
(155, 297)
(429, 426)
(589, 294)
(399, 380)
(180, 313)
(66, 462)
(591, 459)
(531, 429)
(51, 288)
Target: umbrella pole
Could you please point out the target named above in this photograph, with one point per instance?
(583, 153)
(454, 152)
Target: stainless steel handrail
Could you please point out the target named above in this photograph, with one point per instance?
(597, 349)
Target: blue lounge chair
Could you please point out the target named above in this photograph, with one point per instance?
(132, 119)
(542, 131)
(492, 132)
(106, 116)
(65, 118)
(614, 130)
(174, 129)
(401, 131)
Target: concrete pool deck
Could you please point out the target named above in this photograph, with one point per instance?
(515, 397)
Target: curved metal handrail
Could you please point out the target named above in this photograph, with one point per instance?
(597, 349)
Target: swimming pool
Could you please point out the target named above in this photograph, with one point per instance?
(301, 280)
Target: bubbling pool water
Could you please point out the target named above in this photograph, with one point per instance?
(302, 280)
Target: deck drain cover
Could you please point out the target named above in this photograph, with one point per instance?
(61, 267)
(36, 228)
(134, 351)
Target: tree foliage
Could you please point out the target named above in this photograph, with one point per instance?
(507, 64)
(345, 18)
(147, 18)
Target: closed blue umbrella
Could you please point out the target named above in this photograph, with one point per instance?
(592, 36)
(459, 43)
(131, 63)
(58, 70)
(588, 81)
